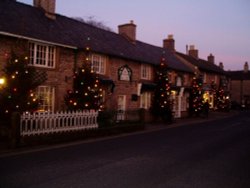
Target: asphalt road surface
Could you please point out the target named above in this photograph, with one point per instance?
(209, 155)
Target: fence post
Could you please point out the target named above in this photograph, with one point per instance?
(15, 133)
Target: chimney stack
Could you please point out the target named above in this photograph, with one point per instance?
(246, 68)
(169, 43)
(221, 65)
(48, 6)
(210, 58)
(128, 30)
(193, 52)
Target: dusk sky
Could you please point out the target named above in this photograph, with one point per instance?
(220, 27)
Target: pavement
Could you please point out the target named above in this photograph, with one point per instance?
(213, 115)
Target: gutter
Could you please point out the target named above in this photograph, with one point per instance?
(37, 40)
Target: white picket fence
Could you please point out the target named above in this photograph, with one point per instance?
(47, 122)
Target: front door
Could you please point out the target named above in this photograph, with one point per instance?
(121, 107)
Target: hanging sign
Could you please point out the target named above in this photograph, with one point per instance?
(125, 73)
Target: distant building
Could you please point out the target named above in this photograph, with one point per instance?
(240, 87)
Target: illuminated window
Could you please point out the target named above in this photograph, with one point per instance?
(46, 96)
(145, 101)
(98, 63)
(42, 55)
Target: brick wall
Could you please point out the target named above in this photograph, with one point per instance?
(127, 88)
(62, 76)
(239, 90)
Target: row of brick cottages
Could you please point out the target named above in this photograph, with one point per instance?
(126, 66)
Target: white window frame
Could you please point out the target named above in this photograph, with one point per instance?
(98, 63)
(42, 55)
(145, 72)
(121, 107)
(46, 97)
(145, 100)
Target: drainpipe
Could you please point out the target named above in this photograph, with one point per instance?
(75, 60)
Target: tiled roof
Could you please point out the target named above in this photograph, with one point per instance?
(239, 75)
(25, 20)
(203, 65)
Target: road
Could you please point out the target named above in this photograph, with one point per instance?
(207, 155)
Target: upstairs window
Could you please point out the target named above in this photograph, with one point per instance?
(145, 72)
(98, 63)
(178, 81)
(42, 55)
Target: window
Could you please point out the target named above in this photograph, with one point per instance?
(98, 63)
(145, 100)
(46, 96)
(178, 81)
(121, 107)
(145, 72)
(42, 55)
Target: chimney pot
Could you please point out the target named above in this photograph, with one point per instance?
(170, 36)
(192, 47)
(246, 67)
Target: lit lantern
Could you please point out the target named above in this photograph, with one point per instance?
(2, 81)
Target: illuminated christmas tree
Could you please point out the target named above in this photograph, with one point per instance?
(86, 93)
(221, 99)
(161, 102)
(196, 96)
(19, 81)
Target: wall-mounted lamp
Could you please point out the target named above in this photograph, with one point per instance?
(2, 81)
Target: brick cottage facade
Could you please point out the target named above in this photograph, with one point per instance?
(213, 76)
(126, 66)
